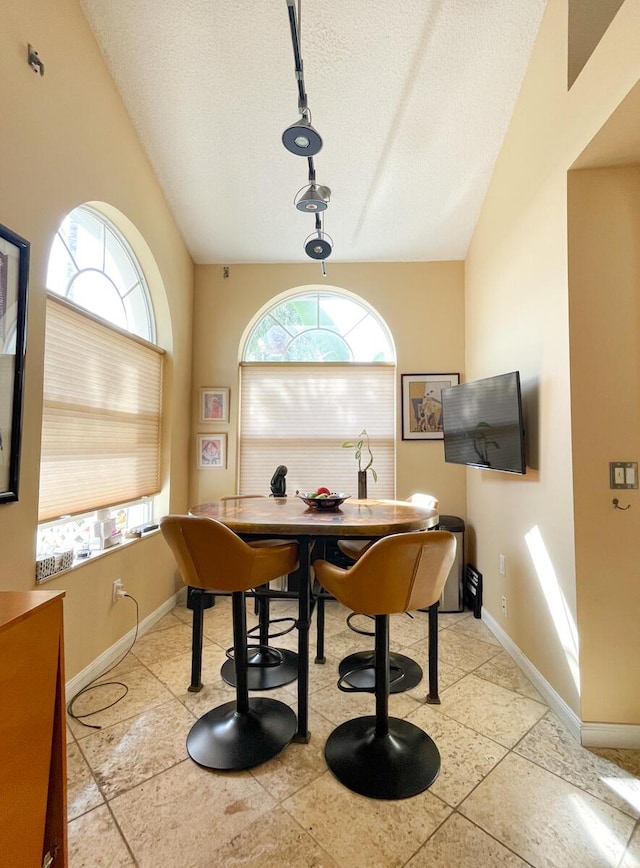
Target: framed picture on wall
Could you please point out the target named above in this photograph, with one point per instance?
(214, 405)
(212, 451)
(422, 404)
(14, 274)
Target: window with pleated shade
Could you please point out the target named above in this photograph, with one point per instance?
(317, 369)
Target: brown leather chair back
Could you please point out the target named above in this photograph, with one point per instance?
(212, 557)
(399, 573)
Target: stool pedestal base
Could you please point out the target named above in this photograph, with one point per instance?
(400, 764)
(226, 740)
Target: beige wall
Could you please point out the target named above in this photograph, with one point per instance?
(66, 139)
(517, 316)
(423, 306)
(604, 292)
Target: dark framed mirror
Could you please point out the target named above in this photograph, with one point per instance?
(14, 277)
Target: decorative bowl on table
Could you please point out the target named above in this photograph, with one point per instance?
(323, 501)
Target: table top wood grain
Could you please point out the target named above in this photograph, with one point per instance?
(289, 516)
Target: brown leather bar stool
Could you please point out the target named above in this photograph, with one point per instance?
(269, 666)
(244, 733)
(360, 665)
(379, 756)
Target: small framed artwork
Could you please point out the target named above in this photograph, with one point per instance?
(212, 451)
(422, 404)
(14, 271)
(214, 405)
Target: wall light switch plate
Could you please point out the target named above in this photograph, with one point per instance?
(623, 474)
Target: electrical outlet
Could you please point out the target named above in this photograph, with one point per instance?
(117, 591)
(504, 606)
(502, 565)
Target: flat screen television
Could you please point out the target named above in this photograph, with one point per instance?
(482, 424)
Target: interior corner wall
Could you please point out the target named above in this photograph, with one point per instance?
(421, 303)
(67, 139)
(604, 292)
(517, 317)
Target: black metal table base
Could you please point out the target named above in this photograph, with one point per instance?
(365, 677)
(264, 674)
(400, 764)
(225, 739)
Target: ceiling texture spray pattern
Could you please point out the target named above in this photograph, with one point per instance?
(412, 99)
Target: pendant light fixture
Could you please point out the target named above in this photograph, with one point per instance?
(305, 141)
(301, 138)
(312, 198)
(319, 245)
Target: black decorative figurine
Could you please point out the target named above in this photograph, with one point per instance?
(278, 482)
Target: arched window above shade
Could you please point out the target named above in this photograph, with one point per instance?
(92, 265)
(319, 326)
(317, 368)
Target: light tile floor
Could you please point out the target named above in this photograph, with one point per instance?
(514, 790)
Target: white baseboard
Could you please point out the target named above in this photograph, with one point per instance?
(613, 735)
(553, 699)
(109, 657)
(624, 735)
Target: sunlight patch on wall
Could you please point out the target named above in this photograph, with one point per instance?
(562, 618)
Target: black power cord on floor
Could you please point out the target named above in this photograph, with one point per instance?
(94, 683)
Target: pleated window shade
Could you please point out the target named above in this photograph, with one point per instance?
(299, 415)
(101, 414)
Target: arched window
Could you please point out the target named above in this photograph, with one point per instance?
(319, 327)
(102, 389)
(318, 367)
(92, 265)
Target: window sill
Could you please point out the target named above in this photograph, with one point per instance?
(95, 555)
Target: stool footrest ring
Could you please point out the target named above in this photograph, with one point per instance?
(363, 664)
(259, 655)
(357, 629)
(355, 688)
(255, 630)
(264, 677)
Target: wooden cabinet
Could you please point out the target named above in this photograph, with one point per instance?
(33, 803)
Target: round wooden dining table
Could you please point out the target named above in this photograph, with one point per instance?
(263, 517)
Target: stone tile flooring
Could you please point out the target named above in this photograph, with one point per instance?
(514, 790)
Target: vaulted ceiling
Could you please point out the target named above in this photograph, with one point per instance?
(412, 100)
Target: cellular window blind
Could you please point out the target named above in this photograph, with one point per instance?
(300, 414)
(102, 406)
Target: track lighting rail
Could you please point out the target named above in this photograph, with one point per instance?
(303, 140)
(297, 57)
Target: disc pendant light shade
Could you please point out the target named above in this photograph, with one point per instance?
(313, 198)
(301, 139)
(318, 245)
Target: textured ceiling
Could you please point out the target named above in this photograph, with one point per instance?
(411, 98)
